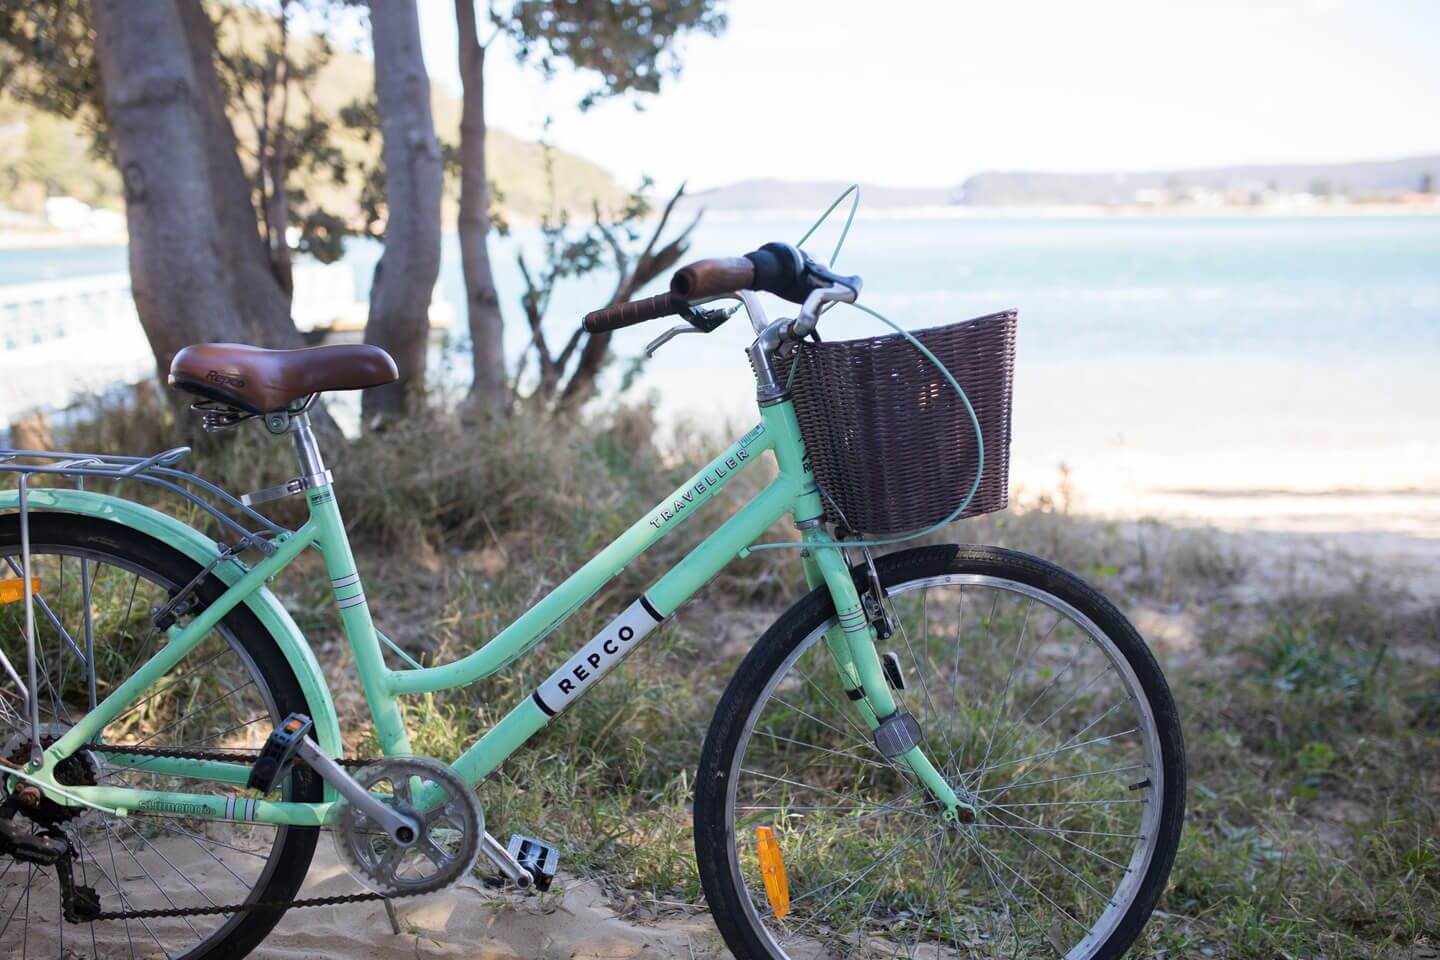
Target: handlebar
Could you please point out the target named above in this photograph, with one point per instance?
(635, 311)
(704, 279)
(776, 268)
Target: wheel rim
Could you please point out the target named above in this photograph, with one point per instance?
(1008, 810)
(138, 863)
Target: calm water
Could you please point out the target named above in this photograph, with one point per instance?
(1217, 286)
(1165, 353)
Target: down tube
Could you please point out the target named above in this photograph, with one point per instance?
(698, 567)
(557, 606)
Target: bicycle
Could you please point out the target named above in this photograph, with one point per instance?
(945, 750)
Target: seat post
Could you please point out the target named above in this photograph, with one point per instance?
(307, 448)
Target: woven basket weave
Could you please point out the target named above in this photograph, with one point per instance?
(888, 437)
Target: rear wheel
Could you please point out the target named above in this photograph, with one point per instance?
(1039, 703)
(226, 694)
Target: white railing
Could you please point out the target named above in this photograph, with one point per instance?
(63, 339)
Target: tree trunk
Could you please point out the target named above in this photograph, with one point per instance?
(153, 111)
(488, 390)
(263, 304)
(405, 276)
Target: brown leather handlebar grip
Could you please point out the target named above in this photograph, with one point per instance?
(633, 312)
(712, 278)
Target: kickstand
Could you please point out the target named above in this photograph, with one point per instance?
(394, 920)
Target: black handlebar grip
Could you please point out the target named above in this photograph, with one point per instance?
(633, 312)
(781, 269)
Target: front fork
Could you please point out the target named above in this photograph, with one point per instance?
(851, 643)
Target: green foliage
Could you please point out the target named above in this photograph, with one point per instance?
(52, 136)
(631, 44)
(287, 139)
(52, 59)
(1303, 657)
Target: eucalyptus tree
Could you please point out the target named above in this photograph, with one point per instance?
(630, 47)
(414, 174)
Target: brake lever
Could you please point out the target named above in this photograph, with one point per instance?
(697, 321)
(841, 292)
(667, 336)
(706, 321)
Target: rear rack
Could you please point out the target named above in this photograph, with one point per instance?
(158, 470)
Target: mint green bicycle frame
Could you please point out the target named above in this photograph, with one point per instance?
(850, 642)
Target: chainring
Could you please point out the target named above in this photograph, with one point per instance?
(451, 826)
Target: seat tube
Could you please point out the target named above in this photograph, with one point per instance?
(350, 595)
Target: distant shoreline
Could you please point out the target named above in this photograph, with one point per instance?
(957, 212)
(43, 239)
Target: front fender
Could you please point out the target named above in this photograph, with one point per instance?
(203, 550)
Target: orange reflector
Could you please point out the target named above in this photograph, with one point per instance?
(13, 590)
(772, 870)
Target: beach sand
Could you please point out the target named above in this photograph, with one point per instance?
(581, 918)
(574, 919)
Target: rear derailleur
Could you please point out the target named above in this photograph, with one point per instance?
(49, 847)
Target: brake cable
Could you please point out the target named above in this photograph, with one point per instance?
(854, 189)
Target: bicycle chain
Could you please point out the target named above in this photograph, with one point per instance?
(224, 756)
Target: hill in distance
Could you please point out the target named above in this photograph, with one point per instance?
(1383, 178)
(749, 195)
(1363, 179)
(46, 155)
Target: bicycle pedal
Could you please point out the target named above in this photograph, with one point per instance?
(890, 663)
(279, 750)
(536, 856)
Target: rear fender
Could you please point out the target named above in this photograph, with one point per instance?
(200, 548)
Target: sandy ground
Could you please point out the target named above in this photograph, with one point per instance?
(578, 920)
(575, 919)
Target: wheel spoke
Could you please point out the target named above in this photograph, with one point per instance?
(89, 630)
(873, 879)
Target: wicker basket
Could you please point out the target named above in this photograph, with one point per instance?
(888, 437)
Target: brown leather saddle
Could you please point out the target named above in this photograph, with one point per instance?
(263, 381)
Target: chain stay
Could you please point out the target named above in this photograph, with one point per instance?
(224, 756)
(245, 907)
(220, 756)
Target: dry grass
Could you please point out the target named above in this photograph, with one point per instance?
(1312, 715)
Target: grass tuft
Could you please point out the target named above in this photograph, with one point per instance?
(1312, 716)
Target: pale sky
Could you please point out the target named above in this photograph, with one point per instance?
(924, 92)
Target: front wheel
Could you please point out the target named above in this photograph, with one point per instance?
(1039, 703)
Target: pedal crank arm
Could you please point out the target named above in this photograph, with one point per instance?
(496, 853)
(402, 829)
